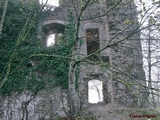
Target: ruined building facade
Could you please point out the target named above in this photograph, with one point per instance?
(106, 24)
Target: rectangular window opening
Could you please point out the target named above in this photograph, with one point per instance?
(95, 91)
(92, 38)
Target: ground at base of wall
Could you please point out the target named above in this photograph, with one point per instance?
(117, 113)
(123, 113)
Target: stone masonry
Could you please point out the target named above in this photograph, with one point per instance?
(119, 66)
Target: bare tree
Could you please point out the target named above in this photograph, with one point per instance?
(96, 85)
(119, 40)
(150, 44)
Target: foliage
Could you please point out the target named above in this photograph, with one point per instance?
(57, 67)
(20, 37)
(18, 40)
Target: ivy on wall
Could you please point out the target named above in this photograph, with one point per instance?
(55, 69)
(48, 70)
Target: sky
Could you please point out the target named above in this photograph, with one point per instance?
(50, 2)
(56, 2)
(51, 40)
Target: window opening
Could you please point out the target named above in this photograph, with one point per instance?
(54, 37)
(60, 38)
(92, 37)
(95, 93)
(51, 40)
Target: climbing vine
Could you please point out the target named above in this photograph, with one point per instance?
(56, 68)
(20, 47)
(17, 42)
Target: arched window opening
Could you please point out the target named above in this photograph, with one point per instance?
(54, 39)
(95, 91)
(51, 40)
(53, 33)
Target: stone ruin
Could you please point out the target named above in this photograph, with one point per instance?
(119, 79)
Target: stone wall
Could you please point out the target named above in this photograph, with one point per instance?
(118, 28)
(119, 33)
(26, 106)
(127, 55)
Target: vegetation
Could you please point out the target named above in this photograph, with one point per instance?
(20, 47)
(27, 65)
(17, 37)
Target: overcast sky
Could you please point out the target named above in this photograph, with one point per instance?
(51, 2)
(55, 2)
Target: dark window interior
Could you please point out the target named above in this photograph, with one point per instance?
(92, 37)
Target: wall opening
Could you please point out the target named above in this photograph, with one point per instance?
(92, 37)
(95, 91)
(53, 37)
(51, 40)
(60, 37)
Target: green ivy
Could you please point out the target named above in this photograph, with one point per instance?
(49, 70)
(57, 67)
(17, 14)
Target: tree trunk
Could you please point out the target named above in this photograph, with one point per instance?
(73, 94)
(3, 16)
(74, 99)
